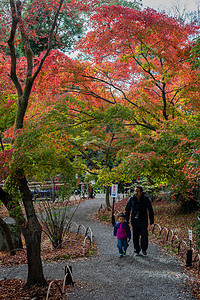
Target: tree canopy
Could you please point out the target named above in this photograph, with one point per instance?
(128, 106)
(140, 63)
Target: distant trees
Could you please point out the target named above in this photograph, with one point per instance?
(68, 30)
(181, 12)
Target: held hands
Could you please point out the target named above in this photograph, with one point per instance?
(151, 226)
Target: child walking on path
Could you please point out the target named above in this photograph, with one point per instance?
(123, 234)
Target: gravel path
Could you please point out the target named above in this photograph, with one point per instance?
(157, 276)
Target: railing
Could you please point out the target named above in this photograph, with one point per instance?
(68, 276)
(169, 237)
(87, 232)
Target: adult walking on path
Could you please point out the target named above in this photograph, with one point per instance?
(139, 205)
(157, 276)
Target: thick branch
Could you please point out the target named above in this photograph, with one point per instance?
(156, 83)
(23, 103)
(50, 40)
(1, 142)
(164, 95)
(109, 146)
(10, 205)
(26, 44)
(25, 194)
(95, 166)
(13, 74)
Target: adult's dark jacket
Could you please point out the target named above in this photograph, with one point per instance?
(139, 209)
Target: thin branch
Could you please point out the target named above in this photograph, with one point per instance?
(89, 93)
(112, 85)
(148, 89)
(141, 124)
(109, 147)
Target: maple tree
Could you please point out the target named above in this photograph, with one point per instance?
(23, 72)
(24, 89)
(31, 228)
(137, 90)
(140, 61)
(148, 88)
(174, 95)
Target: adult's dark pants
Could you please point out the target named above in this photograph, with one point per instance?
(140, 229)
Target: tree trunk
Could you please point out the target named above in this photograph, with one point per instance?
(107, 197)
(32, 232)
(90, 192)
(31, 228)
(9, 241)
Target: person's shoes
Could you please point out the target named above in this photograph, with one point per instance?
(136, 251)
(137, 254)
(124, 252)
(121, 255)
(144, 252)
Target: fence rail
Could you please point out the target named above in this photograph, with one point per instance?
(87, 232)
(169, 237)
